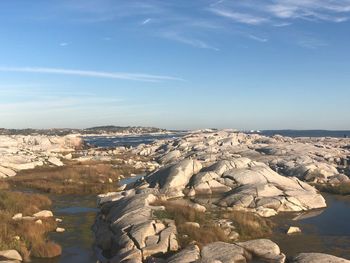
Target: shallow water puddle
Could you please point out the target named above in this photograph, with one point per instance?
(78, 214)
(326, 231)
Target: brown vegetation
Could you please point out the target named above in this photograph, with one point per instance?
(207, 233)
(74, 178)
(250, 225)
(25, 236)
(3, 184)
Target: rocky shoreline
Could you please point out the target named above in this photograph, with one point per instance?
(242, 169)
(250, 173)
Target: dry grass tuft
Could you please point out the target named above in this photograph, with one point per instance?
(25, 236)
(207, 233)
(16, 202)
(74, 178)
(250, 225)
(3, 184)
(46, 249)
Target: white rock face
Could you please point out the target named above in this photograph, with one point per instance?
(172, 180)
(245, 172)
(187, 255)
(223, 252)
(129, 221)
(264, 249)
(19, 152)
(6, 172)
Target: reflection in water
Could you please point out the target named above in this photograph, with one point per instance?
(326, 231)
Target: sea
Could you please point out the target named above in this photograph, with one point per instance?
(135, 140)
(129, 140)
(307, 133)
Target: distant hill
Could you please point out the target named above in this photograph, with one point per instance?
(110, 129)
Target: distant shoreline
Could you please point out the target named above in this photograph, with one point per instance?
(113, 131)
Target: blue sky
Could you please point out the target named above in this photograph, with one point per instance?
(179, 64)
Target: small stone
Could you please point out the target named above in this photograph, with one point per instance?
(293, 230)
(60, 230)
(68, 156)
(192, 224)
(233, 235)
(39, 222)
(191, 192)
(11, 255)
(59, 220)
(199, 208)
(17, 216)
(43, 213)
(110, 180)
(55, 161)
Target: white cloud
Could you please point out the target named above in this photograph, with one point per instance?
(89, 73)
(63, 44)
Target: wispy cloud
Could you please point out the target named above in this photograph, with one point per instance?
(259, 39)
(217, 3)
(282, 24)
(282, 11)
(326, 10)
(202, 21)
(146, 21)
(63, 44)
(311, 43)
(89, 73)
(188, 41)
(240, 17)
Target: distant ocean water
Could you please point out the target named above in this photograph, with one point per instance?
(135, 140)
(307, 133)
(128, 140)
